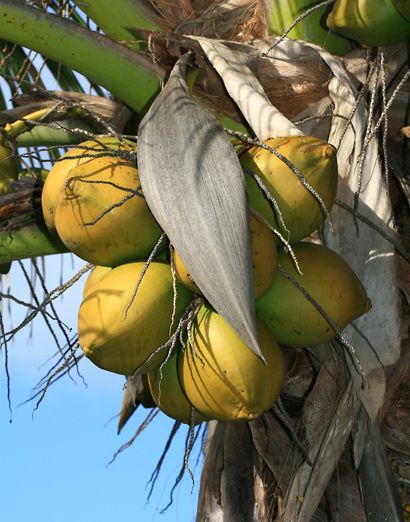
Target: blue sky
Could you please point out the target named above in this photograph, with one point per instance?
(53, 462)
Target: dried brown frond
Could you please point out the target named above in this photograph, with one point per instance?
(169, 14)
(136, 392)
(235, 20)
(96, 107)
(255, 25)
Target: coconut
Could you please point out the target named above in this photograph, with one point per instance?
(84, 153)
(371, 23)
(168, 395)
(301, 211)
(8, 169)
(183, 274)
(97, 273)
(118, 337)
(329, 280)
(98, 218)
(403, 6)
(221, 377)
(264, 260)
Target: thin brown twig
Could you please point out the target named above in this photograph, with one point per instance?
(148, 419)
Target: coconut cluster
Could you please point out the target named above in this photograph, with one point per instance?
(151, 318)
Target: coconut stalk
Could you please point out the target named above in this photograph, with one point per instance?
(281, 14)
(28, 131)
(66, 111)
(61, 118)
(121, 23)
(23, 233)
(59, 133)
(85, 105)
(27, 241)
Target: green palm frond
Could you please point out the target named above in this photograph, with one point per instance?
(126, 74)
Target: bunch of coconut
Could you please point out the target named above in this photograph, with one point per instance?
(92, 200)
(305, 293)
(142, 314)
(292, 184)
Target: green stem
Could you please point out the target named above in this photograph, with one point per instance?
(229, 123)
(12, 130)
(23, 233)
(31, 240)
(40, 136)
(280, 14)
(128, 75)
(121, 22)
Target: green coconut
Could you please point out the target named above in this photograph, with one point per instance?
(301, 211)
(329, 280)
(221, 377)
(403, 6)
(372, 23)
(168, 395)
(118, 337)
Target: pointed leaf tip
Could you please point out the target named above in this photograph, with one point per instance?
(194, 186)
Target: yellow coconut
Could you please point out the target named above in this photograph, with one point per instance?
(329, 280)
(76, 156)
(168, 395)
(264, 260)
(118, 341)
(8, 169)
(301, 212)
(100, 222)
(95, 275)
(222, 377)
(183, 274)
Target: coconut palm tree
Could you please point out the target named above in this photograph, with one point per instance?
(320, 451)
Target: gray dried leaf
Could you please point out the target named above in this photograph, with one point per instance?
(194, 186)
